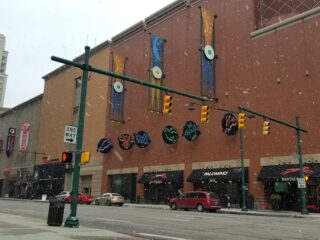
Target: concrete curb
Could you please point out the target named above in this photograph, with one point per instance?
(265, 213)
(234, 211)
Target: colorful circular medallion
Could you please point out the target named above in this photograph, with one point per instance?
(156, 72)
(209, 52)
(118, 87)
(170, 135)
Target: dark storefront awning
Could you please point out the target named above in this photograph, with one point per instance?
(288, 172)
(161, 177)
(216, 175)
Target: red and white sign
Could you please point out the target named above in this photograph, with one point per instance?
(24, 136)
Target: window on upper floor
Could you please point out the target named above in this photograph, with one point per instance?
(269, 12)
(78, 82)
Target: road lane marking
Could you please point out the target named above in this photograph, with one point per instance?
(160, 236)
(111, 220)
(171, 219)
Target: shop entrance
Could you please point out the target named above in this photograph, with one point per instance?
(124, 184)
(160, 187)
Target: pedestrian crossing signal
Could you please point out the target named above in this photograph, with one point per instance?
(85, 157)
(66, 157)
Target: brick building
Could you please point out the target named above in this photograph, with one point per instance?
(265, 64)
(236, 53)
(60, 108)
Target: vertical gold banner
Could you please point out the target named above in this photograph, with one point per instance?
(118, 63)
(207, 20)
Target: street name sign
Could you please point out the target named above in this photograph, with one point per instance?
(70, 134)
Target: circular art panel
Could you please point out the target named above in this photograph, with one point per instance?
(229, 124)
(156, 72)
(104, 145)
(209, 52)
(170, 135)
(141, 139)
(118, 87)
(125, 141)
(191, 131)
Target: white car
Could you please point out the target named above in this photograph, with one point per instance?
(62, 196)
(109, 199)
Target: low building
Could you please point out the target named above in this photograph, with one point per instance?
(19, 127)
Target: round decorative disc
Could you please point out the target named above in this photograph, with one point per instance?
(209, 52)
(118, 87)
(156, 72)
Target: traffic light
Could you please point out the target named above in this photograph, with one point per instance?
(85, 157)
(167, 105)
(306, 178)
(66, 157)
(266, 128)
(241, 120)
(204, 114)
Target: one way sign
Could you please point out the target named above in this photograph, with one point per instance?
(70, 134)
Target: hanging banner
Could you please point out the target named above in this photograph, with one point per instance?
(10, 141)
(207, 54)
(170, 135)
(1, 145)
(156, 71)
(229, 124)
(191, 131)
(24, 137)
(207, 21)
(141, 139)
(125, 141)
(104, 145)
(117, 96)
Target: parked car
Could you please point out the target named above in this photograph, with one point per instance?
(82, 198)
(109, 199)
(198, 200)
(62, 196)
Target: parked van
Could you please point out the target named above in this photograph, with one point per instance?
(198, 200)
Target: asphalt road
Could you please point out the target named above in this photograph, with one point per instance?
(168, 224)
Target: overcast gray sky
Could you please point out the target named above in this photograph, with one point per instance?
(37, 29)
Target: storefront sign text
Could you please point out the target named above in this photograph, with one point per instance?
(222, 173)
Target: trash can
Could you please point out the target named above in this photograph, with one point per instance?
(55, 215)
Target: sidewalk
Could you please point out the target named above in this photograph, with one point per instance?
(264, 212)
(14, 227)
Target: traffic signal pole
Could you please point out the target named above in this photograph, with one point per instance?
(299, 143)
(244, 188)
(86, 67)
(72, 220)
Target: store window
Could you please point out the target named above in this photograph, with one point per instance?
(269, 12)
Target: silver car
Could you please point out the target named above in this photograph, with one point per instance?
(62, 196)
(109, 199)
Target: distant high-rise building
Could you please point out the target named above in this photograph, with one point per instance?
(3, 64)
